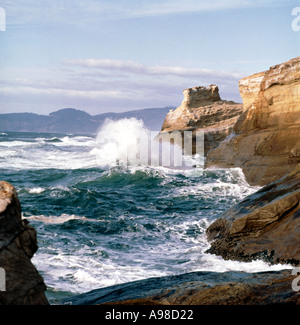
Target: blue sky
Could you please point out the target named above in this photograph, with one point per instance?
(100, 55)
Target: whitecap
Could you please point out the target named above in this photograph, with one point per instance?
(36, 190)
(55, 219)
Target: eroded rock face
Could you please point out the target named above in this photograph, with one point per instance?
(18, 243)
(266, 225)
(199, 288)
(203, 109)
(265, 141)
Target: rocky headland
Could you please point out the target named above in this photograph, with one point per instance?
(18, 243)
(265, 140)
(203, 109)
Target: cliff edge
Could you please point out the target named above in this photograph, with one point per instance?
(202, 108)
(265, 141)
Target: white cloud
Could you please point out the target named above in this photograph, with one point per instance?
(93, 94)
(131, 67)
(98, 85)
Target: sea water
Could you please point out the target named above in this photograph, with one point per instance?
(101, 224)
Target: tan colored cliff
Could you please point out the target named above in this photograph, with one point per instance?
(266, 138)
(203, 109)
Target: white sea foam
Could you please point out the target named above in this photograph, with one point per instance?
(36, 190)
(55, 219)
(41, 158)
(16, 144)
(214, 263)
(78, 141)
(80, 272)
(54, 152)
(238, 189)
(128, 142)
(123, 142)
(83, 268)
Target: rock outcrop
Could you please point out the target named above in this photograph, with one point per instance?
(199, 288)
(265, 141)
(266, 225)
(203, 109)
(18, 242)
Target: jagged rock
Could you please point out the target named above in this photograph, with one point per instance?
(199, 288)
(265, 225)
(18, 243)
(265, 141)
(203, 109)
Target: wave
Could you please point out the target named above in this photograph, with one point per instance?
(76, 141)
(127, 142)
(76, 261)
(55, 219)
(51, 140)
(16, 143)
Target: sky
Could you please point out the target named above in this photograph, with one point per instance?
(119, 55)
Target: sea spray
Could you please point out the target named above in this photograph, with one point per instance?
(127, 142)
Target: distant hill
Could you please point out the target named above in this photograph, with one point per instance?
(70, 120)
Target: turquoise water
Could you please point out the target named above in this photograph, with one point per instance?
(100, 224)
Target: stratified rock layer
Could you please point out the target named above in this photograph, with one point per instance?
(266, 225)
(265, 141)
(199, 288)
(203, 109)
(18, 243)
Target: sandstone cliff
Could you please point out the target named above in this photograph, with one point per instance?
(18, 243)
(202, 108)
(265, 142)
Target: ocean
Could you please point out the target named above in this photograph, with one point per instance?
(101, 223)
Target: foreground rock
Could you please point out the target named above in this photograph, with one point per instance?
(203, 109)
(18, 243)
(265, 141)
(266, 225)
(199, 288)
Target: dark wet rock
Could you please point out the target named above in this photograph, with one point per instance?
(199, 288)
(18, 242)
